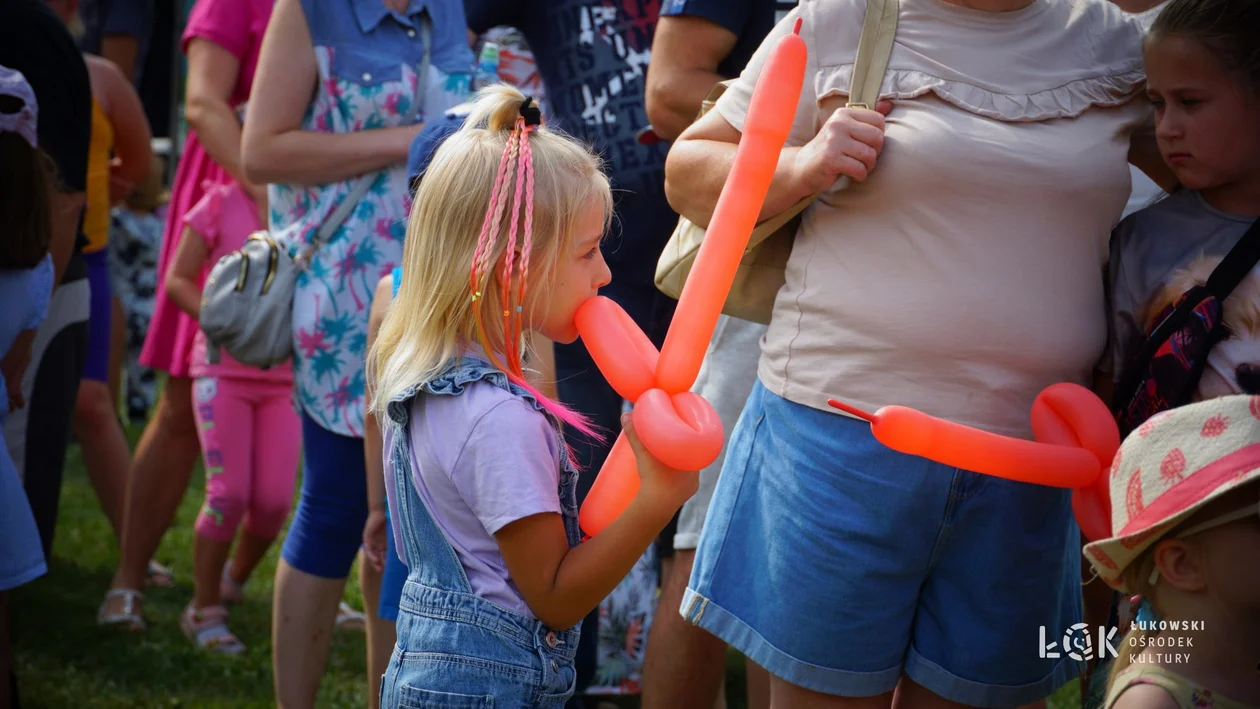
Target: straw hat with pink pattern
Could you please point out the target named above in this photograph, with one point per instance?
(1172, 466)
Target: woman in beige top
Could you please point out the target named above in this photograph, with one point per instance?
(960, 274)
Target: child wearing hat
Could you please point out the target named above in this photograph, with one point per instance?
(1185, 501)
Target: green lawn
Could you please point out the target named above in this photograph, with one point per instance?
(65, 660)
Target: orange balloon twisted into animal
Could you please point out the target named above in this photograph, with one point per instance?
(1075, 441)
(679, 427)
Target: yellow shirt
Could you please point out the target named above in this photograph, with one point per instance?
(1187, 694)
(96, 215)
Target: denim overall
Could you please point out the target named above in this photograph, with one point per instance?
(456, 650)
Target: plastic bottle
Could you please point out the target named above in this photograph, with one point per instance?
(487, 67)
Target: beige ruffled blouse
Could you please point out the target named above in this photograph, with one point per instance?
(965, 274)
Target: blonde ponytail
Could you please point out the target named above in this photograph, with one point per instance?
(446, 302)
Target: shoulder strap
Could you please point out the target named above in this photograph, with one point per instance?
(1236, 264)
(879, 27)
(343, 210)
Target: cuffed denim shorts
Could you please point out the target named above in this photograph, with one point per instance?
(840, 565)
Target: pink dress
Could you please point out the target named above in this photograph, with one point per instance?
(237, 26)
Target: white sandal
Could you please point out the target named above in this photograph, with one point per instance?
(349, 619)
(129, 617)
(208, 629)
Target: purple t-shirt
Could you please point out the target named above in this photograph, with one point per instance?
(480, 461)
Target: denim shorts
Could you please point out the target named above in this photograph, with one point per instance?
(840, 565)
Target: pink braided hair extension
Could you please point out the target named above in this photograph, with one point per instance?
(490, 225)
(527, 160)
(512, 314)
(516, 153)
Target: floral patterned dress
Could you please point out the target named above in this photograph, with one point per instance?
(368, 59)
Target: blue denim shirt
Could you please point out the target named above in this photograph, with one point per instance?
(455, 648)
(370, 45)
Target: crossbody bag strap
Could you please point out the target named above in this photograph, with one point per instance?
(1236, 264)
(347, 205)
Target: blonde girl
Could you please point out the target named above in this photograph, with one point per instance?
(1185, 499)
(503, 240)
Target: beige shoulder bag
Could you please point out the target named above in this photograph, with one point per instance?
(761, 271)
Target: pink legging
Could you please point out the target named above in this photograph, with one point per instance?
(251, 440)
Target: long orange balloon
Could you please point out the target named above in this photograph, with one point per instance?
(915, 433)
(1071, 415)
(766, 129)
(678, 427)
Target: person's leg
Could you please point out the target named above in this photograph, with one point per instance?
(319, 550)
(685, 666)
(225, 423)
(96, 425)
(274, 473)
(381, 632)
(160, 470)
(758, 681)
(117, 348)
(784, 695)
(105, 453)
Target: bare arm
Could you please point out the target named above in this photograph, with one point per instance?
(1145, 696)
(133, 140)
(696, 169)
(686, 51)
(561, 585)
(372, 442)
(374, 530)
(275, 148)
(124, 51)
(67, 208)
(212, 75)
(185, 271)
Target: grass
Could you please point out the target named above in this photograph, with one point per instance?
(64, 659)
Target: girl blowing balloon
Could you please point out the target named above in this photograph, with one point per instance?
(503, 240)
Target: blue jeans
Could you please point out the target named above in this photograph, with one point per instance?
(456, 649)
(871, 564)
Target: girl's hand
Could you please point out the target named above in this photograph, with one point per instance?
(847, 146)
(658, 483)
(374, 532)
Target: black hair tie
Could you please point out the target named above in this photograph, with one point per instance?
(531, 114)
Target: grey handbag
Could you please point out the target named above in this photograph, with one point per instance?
(247, 302)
